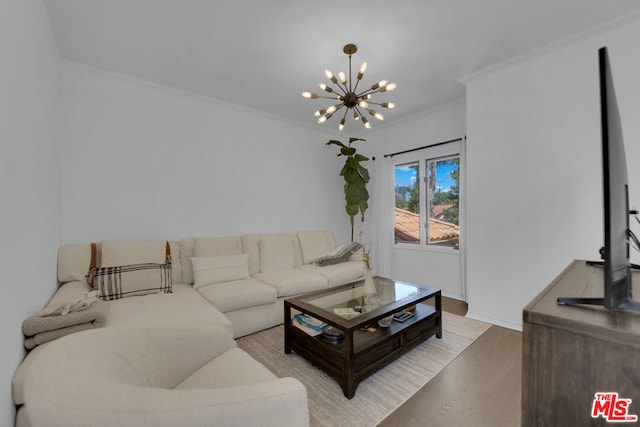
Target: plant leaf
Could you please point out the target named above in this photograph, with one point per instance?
(335, 142)
(352, 140)
(348, 151)
(364, 172)
(352, 210)
(351, 175)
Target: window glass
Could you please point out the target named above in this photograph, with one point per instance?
(427, 201)
(407, 203)
(443, 201)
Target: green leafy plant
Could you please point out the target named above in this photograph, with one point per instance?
(356, 177)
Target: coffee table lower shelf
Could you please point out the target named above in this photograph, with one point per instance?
(362, 353)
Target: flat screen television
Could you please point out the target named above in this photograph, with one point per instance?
(615, 184)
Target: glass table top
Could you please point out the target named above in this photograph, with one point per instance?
(349, 302)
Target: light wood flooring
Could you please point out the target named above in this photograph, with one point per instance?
(481, 387)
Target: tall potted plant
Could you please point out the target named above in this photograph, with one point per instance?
(356, 177)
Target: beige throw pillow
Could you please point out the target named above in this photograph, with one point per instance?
(132, 280)
(218, 269)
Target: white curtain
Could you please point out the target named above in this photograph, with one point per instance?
(382, 239)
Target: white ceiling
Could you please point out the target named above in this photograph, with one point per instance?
(262, 54)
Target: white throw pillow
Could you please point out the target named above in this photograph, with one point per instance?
(218, 269)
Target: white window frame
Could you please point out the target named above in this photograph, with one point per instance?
(440, 152)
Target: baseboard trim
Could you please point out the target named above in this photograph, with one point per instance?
(495, 321)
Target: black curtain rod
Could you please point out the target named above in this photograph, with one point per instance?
(423, 147)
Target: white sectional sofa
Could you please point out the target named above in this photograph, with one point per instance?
(170, 359)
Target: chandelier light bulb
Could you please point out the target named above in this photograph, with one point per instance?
(378, 85)
(325, 87)
(345, 94)
(388, 88)
(366, 123)
(376, 114)
(330, 76)
(363, 68)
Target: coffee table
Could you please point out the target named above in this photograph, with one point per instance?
(363, 350)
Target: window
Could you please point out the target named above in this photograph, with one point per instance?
(443, 201)
(427, 201)
(407, 212)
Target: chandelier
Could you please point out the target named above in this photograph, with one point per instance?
(345, 92)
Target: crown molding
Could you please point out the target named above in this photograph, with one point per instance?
(78, 68)
(555, 46)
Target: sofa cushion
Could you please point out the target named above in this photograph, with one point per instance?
(218, 269)
(277, 252)
(251, 246)
(238, 294)
(117, 253)
(314, 244)
(184, 308)
(235, 367)
(73, 263)
(337, 274)
(217, 246)
(127, 377)
(293, 281)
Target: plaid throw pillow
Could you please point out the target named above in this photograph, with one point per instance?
(132, 280)
(338, 255)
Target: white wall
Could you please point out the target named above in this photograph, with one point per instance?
(29, 177)
(534, 171)
(142, 161)
(430, 267)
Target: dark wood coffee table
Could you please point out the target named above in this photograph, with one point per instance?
(362, 352)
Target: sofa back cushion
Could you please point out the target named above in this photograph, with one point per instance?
(205, 247)
(127, 252)
(314, 244)
(277, 252)
(74, 259)
(251, 246)
(216, 246)
(73, 262)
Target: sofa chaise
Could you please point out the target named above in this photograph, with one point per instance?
(168, 357)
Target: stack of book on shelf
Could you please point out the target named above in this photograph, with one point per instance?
(309, 324)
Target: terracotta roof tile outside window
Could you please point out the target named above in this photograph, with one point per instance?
(407, 227)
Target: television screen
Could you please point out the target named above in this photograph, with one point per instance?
(617, 265)
(617, 276)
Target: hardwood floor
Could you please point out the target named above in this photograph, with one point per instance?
(481, 387)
